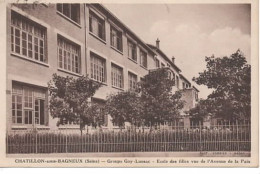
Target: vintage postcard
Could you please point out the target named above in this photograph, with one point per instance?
(129, 84)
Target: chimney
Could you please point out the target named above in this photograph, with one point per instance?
(173, 59)
(158, 43)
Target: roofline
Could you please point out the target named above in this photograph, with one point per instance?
(124, 26)
(195, 88)
(165, 57)
(181, 76)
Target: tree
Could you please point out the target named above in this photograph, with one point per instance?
(230, 77)
(160, 104)
(152, 103)
(124, 107)
(202, 109)
(69, 100)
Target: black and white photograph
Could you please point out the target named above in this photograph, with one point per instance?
(130, 84)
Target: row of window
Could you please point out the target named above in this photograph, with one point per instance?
(97, 28)
(32, 45)
(185, 85)
(28, 39)
(98, 73)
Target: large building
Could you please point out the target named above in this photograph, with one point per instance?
(74, 40)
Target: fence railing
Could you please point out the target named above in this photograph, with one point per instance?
(174, 138)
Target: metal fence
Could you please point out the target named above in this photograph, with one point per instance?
(174, 138)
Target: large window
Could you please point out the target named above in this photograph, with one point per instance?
(28, 38)
(117, 76)
(71, 11)
(68, 55)
(143, 58)
(28, 105)
(96, 25)
(131, 50)
(116, 39)
(98, 68)
(132, 81)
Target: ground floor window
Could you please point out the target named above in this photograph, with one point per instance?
(28, 105)
(117, 76)
(102, 117)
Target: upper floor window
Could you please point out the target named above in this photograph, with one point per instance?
(28, 105)
(196, 96)
(96, 25)
(169, 74)
(72, 11)
(117, 76)
(28, 38)
(183, 85)
(97, 68)
(157, 63)
(68, 55)
(116, 39)
(177, 82)
(132, 81)
(162, 65)
(173, 78)
(131, 50)
(143, 58)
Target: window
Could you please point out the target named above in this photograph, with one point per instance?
(183, 85)
(196, 96)
(102, 117)
(72, 11)
(169, 74)
(143, 58)
(97, 68)
(28, 38)
(177, 79)
(117, 76)
(173, 78)
(96, 25)
(157, 63)
(28, 105)
(116, 39)
(132, 81)
(68, 55)
(131, 50)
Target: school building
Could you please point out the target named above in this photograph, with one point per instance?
(74, 40)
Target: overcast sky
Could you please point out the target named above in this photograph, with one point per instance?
(190, 32)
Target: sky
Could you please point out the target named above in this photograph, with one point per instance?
(189, 32)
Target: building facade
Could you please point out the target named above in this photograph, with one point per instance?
(72, 40)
